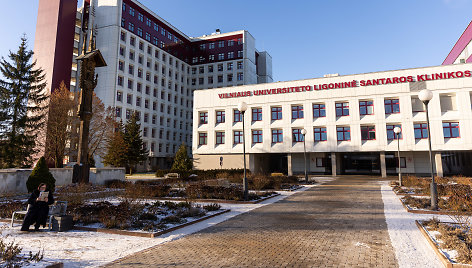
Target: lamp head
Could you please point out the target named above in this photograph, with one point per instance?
(397, 130)
(242, 107)
(304, 132)
(425, 95)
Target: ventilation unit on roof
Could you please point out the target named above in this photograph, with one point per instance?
(330, 75)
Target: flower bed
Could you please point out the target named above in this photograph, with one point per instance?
(451, 241)
(138, 217)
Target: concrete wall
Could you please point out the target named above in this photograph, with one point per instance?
(14, 180)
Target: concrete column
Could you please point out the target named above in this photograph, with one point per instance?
(334, 170)
(289, 165)
(438, 165)
(251, 163)
(383, 166)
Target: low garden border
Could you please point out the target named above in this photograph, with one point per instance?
(445, 260)
(425, 211)
(214, 200)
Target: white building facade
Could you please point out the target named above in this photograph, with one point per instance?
(349, 122)
(153, 68)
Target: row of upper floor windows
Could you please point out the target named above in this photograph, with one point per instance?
(219, 79)
(147, 88)
(220, 56)
(221, 44)
(366, 107)
(343, 133)
(129, 100)
(219, 67)
(152, 25)
(170, 63)
(152, 119)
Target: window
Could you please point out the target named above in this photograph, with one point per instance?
(120, 81)
(342, 109)
(123, 36)
(448, 102)
(276, 113)
(220, 67)
(240, 76)
(221, 56)
(320, 162)
(319, 110)
(240, 65)
(277, 136)
(202, 138)
(138, 101)
(367, 133)
(240, 41)
(297, 135)
(256, 114)
(131, 27)
(220, 137)
(130, 84)
(141, 46)
(131, 11)
(202, 46)
(210, 79)
(146, 118)
(240, 54)
(229, 78)
(148, 22)
(229, 66)
(210, 68)
(320, 133)
(131, 69)
(220, 117)
(451, 130)
(123, 23)
(421, 131)
(156, 27)
(220, 79)
(257, 136)
(237, 116)
(201, 69)
(392, 106)
(391, 135)
(118, 112)
(230, 43)
(366, 107)
(211, 45)
(121, 66)
(129, 99)
(140, 17)
(230, 55)
(119, 96)
(297, 112)
(343, 133)
(416, 104)
(148, 36)
(203, 118)
(122, 51)
(221, 43)
(237, 137)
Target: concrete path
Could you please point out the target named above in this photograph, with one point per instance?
(339, 224)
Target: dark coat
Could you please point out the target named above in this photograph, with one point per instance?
(38, 211)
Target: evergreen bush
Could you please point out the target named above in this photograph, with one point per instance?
(40, 175)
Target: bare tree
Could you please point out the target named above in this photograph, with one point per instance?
(62, 107)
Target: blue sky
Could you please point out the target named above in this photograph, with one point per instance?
(306, 39)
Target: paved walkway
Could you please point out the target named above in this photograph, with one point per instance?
(339, 224)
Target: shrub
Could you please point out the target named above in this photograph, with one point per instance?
(40, 175)
(463, 180)
(10, 255)
(147, 217)
(413, 181)
(172, 219)
(120, 184)
(212, 207)
(7, 208)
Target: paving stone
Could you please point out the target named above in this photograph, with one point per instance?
(339, 224)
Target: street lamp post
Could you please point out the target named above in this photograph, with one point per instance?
(397, 131)
(242, 107)
(425, 96)
(304, 154)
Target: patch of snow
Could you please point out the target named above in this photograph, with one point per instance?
(91, 249)
(359, 244)
(411, 247)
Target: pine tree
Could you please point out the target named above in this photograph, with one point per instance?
(40, 175)
(116, 148)
(23, 107)
(132, 136)
(181, 161)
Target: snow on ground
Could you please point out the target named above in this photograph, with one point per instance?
(411, 247)
(90, 249)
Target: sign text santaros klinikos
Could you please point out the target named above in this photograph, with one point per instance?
(348, 84)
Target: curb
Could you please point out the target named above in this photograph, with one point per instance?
(445, 260)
